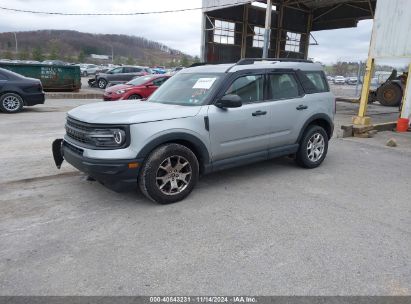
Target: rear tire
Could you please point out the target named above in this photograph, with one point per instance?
(134, 96)
(313, 147)
(169, 174)
(11, 103)
(389, 95)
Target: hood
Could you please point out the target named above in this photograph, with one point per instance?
(130, 112)
(118, 87)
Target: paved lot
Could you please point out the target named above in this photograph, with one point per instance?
(272, 228)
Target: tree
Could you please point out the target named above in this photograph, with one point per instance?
(130, 60)
(54, 52)
(24, 55)
(341, 68)
(8, 55)
(184, 61)
(81, 57)
(37, 54)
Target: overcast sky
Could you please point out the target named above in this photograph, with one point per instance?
(177, 30)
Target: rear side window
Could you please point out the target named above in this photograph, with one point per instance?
(159, 81)
(313, 81)
(250, 88)
(283, 86)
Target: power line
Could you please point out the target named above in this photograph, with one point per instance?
(116, 14)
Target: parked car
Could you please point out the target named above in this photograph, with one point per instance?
(339, 80)
(54, 62)
(89, 69)
(175, 70)
(137, 88)
(352, 80)
(330, 78)
(203, 119)
(120, 74)
(17, 91)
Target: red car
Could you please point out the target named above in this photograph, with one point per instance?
(137, 88)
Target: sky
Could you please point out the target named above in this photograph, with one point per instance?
(176, 30)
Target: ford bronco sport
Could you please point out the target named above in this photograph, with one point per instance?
(203, 119)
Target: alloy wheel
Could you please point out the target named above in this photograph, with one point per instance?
(173, 175)
(315, 147)
(11, 103)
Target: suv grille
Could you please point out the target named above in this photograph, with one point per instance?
(77, 130)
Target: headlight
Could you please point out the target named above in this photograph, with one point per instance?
(120, 91)
(108, 137)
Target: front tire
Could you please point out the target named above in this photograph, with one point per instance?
(134, 96)
(169, 174)
(85, 74)
(102, 83)
(313, 147)
(11, 103)
(389, 95)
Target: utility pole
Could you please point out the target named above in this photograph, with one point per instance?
(112, 53)
(267, 30)
(15, 39)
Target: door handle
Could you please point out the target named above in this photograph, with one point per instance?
(301, 107)
(258, 113)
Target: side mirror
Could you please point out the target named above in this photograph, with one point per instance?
(229, 101)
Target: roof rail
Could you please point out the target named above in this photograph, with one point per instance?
(245, 61)
(195, 64)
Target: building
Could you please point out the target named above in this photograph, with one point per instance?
(234, 29)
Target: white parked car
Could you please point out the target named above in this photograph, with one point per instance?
(339, 80)
(89, 69)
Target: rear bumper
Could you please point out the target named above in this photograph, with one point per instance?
(34, 99)
(113, 173)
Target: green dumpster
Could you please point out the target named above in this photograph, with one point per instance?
(53, 77)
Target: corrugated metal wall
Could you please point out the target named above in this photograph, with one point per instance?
(391, 29)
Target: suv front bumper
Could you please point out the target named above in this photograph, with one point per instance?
(116, 174)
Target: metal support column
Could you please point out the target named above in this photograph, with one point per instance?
(244, 32)
(267, 28)
(280, 9)
(361, 119)
(307, 42)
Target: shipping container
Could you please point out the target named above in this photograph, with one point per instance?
(53, 77)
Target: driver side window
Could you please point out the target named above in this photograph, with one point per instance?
(250, 88)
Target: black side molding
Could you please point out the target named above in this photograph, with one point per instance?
(206, 123)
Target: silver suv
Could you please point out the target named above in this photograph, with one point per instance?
(203, 119)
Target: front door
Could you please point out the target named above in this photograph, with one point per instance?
(244, 130)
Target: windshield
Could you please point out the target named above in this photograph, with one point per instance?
(188, 89)
(139, 80)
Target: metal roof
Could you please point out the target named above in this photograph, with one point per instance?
(327, 14)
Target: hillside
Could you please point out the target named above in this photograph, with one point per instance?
(75, 46)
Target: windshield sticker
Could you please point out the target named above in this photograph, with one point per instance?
(204, 83)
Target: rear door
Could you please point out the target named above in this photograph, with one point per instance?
(3, 81)
(245, 130)
(116, 74)
(289, 108)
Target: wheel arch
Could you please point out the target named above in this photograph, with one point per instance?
(190, 141)
(321, 120)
